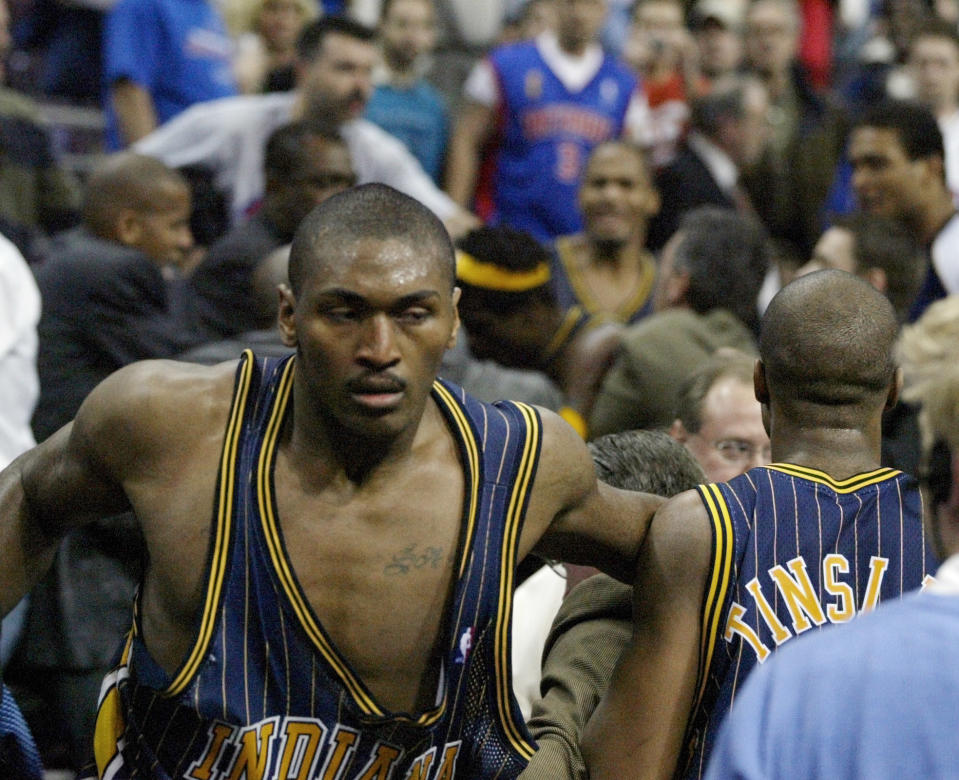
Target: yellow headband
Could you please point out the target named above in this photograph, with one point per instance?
(493, 277)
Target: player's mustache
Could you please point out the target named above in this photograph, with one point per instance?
(376, 383)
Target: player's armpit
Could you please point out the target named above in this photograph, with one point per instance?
(637, 730)
(575, 518)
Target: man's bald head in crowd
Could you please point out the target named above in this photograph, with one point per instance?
(826, 345)
(370, 211)
(128, 181)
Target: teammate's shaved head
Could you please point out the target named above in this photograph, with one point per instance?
(827, 340)
(370, 211)
(128, 181)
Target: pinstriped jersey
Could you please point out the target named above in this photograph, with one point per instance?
(571, 287)
(794, 549)
(264, 693)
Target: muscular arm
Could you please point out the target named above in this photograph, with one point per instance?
(473, 128)
(575, 518)
(134, 108)
(60, 484)
(637, 730)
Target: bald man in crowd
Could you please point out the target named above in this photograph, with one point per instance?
(731, 571)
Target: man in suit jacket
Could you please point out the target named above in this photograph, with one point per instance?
(728, 131)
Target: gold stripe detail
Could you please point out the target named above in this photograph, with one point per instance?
(574, 316)
(224, 524)
(472, 463)
(110, 723)
(566, 252)
(514, 518)
(848, 485)
(490, 276)
(718, 585)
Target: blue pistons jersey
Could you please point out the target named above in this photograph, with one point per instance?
(547, 134)
(794, 549)
(264, 694)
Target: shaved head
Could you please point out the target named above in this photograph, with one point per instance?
(827, 340)
(371, 211)
(128, 181)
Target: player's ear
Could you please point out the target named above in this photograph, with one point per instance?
(895, 388)
(457, 292)
(286, 316)
(760, 386)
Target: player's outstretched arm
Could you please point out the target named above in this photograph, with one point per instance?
(131, 427)
(637, 730)
(574, 517)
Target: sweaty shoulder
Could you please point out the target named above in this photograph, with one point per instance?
(152, 410)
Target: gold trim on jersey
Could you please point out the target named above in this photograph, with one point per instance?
(110, 723)
(271, 528)
(471, 450)
(720, 576)
(566, 252)
(848, 485)
(513, 524)
(224, 523)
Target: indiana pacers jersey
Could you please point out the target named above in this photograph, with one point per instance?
(794, 549)
(547, 133)
(571, 287)
(264, 694)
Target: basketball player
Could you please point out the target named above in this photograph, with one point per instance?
(731, 571)
(344, 610)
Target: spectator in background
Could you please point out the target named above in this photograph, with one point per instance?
(19, 384)
(107, 302)
(303, 167)
(37, 195)
(789, 183)
(335, 58)
(878, 249)
(607, 269)
(883, 252)
(510, 315)
(717, 27)
(161, 57)
(898, 171)
(661, 50)
(266, 49)
(728, 133)
(403, 102)
(934, 64)
(539, 108)
(710, 275)
(718, 418)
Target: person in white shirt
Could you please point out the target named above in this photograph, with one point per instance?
(334, 69)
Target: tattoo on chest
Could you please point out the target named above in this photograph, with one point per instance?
(413, 557)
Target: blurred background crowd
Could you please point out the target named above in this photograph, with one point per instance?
(627, 185)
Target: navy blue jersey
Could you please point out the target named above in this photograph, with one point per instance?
(265, 694)
(548, 133)
(794, 549)
(571, 287)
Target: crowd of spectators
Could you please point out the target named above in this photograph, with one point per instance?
(628, 184)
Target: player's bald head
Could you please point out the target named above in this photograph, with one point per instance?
(371, 211)
(827, 339)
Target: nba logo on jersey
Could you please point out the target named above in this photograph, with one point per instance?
(466, 644)
(533, 85)
(609, 91)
